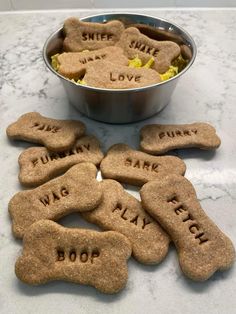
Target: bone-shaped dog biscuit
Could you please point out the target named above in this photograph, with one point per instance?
(104, 74)
(76, 191)
(38, 165)
(81, 36)
(74, 64)
(52, 252)
(56, 135)
(134, 167)
(157, 138)
(202, 247)
(163, 35)
(119, 211)
(136, 44)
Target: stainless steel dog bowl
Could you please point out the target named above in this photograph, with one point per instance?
(123, 105)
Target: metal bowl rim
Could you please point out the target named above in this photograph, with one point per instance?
(110, 90)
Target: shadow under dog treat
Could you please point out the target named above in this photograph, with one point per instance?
(52, 252)
(76, 191)
(56, 135)
(202, 247)
(104, 74)
(134, 167)
(81, 36)
(119, 211)
(38, 165)
(159, 138)
(74, 64)
(135, 44)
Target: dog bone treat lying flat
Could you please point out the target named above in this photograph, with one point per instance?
(52, 252)
(56, 135)
(76, 191)
(119, 211)
(134, 167)
(202, 247)
(136, 44)
(81, 36)
(105, 74)
(74, 64)
(38, 165)
(157, 138)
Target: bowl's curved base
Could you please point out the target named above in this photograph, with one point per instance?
(118, 120)
(120, 107)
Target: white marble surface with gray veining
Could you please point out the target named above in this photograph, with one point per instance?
(207, 92)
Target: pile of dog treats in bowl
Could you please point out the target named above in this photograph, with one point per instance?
(108, 55)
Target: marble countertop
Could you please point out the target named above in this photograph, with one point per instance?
(207, 92)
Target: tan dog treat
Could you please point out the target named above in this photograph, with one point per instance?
(202, 247)
(105, 74)
(76, 191)
(136, 44)
(52, 252)
(186, 52)
(81, 36)
(74, 64)
(56, 135)
(38, 165)
(161, 34)
(157, 138)
(134, 167)
(119, 211)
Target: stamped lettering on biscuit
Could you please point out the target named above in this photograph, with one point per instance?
(105, 74)
(202, 247)
(119, 211)
(157, 138)
(52, 252)
(81, 36)
(76, 191)
(136, 44)
(56, 135)
(74, 64)
(38, 165)
(134, 167)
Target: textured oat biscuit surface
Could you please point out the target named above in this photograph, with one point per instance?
(74, 64)
(76, 191)
(119, 211)
(202, 247)
(134, 167)
(161, 35)
(136, 44)
(52, 252)
(81, 36)
(38, 165)
(159, 138)
(56, 135)
(105, 74)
